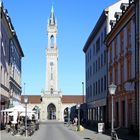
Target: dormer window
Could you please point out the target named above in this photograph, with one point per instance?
(117, 15)
(124, 6)
(112, 23)
(131, 1)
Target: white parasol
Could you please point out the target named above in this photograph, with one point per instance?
(18, 108)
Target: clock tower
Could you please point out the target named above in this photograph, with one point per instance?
(51, 98)
(52, 56)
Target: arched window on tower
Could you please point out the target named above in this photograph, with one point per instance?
(51, 90)
(52, 41)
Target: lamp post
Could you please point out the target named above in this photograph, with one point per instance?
(69, 115)
(83, 91)
(112, 89)
(78, 107)
(26, 101)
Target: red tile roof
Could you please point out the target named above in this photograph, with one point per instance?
(72, 99)
(33, 99)
(36, 99)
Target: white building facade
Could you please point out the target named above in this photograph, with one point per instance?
(96, 66)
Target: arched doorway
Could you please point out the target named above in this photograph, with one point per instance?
(51, 110)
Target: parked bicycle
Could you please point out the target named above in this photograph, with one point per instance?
(67, 124)
(114, 136)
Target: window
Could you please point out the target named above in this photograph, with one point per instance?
(129, 35)
(96, 66)
(105, 32)
(110, 52)
(102, 38)
(104, 57)
(101, 84)
(51, 90)
(87, 74)
(93, 68)
(13, 71)
(4, 77)
(90, 71)
(121, 41)
(86, 59)
(129, 68)
(110, 76)
(116, 75)
(101, 60)
(98, 86)
(52, 41)
(90, 54)
(99, 63)
(1, 75)
(90, 91)
(115, 47)
(105, 82)
(98, 45)
(122, 72)
(93, 89)
(93, 49)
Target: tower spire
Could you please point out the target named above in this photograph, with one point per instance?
(52, 17)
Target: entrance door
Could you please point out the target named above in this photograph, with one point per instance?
(51, 109)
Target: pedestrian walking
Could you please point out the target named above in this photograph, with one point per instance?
(75, 120)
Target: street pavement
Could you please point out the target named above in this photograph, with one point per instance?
(47, 131)
(52, 130)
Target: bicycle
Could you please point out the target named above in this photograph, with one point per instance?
(67, 124)
(114, 136)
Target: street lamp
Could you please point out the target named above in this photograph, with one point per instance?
(112, 89)
(78, 107)
(26, 101)
(69, 115)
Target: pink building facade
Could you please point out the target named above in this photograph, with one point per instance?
(121, 66)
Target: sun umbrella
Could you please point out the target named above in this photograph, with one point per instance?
(29, 114)
(18, 108)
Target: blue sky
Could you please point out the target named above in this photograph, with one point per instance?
(76, 19)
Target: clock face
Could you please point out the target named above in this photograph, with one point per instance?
(51, 63)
